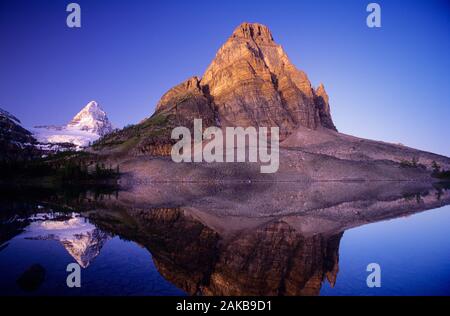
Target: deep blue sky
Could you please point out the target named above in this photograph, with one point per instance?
(387, 84)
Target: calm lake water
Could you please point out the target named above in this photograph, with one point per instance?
(128, 246)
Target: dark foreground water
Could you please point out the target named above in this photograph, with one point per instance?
(125, 246)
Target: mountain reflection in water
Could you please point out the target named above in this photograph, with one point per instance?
(233, 239)
(82, 240)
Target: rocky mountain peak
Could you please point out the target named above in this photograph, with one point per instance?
(93, 119)
(254, 31)
(320, 91)
(252, 82)
(92, 107)
(191, 85)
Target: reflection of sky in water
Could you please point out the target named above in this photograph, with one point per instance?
(119, 268)
(413, 252)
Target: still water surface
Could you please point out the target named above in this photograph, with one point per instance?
(124, 249)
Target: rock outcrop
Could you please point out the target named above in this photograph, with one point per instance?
(322, 102)
(187, 102)
(251, 82)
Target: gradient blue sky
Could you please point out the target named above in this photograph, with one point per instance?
(388, 84)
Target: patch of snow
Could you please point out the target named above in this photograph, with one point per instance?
(85, 128)
(70, 135)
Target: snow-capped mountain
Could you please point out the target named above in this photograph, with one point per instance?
(91, 119)
(87, 126)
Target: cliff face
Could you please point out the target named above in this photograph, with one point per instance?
(252, 82)
(187, 102)
(322, 101)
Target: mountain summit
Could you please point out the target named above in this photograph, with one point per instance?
(93, 119)
(254, 31)
(252, 82)
(87, 126)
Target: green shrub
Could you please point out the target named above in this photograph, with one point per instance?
(414, 163)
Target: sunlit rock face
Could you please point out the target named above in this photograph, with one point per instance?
(253, 83)
(250, 82)
(187, 102)
(82, 240)
(322, 102)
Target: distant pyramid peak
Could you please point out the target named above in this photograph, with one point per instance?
(92, 108)
(92, 118)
